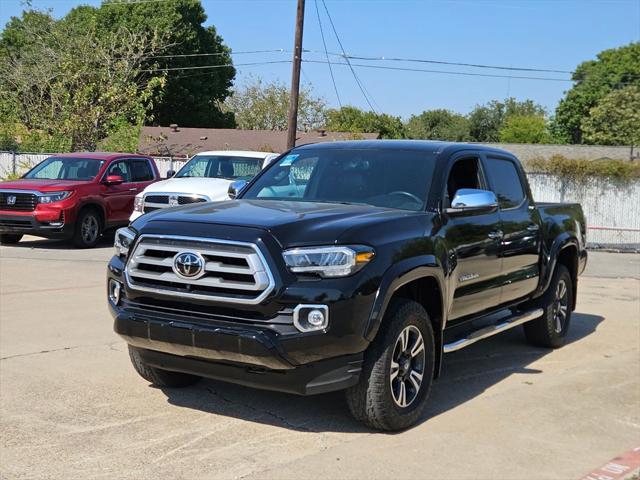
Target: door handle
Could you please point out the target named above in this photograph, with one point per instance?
(134, 189)
(533, 227)
(497, 235)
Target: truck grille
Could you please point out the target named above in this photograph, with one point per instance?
(154, 202)
(233, 272)
(18, 201)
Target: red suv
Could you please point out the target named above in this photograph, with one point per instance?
(74, 196)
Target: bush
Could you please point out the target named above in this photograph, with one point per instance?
(581, 169)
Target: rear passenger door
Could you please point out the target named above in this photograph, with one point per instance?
(473, 244)
(142, 174)
(520, 225)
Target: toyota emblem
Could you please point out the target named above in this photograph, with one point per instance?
(188, 264)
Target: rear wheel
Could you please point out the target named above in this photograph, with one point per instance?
(10, 238)
(398, 370)
(88, 229)
(157, 376)
(551, 329)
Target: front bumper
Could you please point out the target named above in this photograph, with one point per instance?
(29, 224)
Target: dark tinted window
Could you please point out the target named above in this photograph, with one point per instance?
(141, 171)
(384, 178)
(121, 169)
(505, 182)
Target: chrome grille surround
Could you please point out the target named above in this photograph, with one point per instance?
(154, 201)
(149, 268)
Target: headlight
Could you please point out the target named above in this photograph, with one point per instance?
(328, 261)
(53, 197)
(123, 241)
(138, 204)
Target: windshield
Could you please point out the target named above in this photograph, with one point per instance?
(221, 166)
(382, 178)
(58, 168)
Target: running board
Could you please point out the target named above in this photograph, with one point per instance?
(491, 330)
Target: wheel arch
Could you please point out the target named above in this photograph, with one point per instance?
(420, 280)
(94, 206)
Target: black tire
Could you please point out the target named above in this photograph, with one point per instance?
(373, 400)
(159, 377)
(10, 238)
(550, 330)
(88, 229)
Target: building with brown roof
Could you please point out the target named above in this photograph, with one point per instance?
(184, 142)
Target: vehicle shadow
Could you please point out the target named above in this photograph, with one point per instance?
(51, 244)
(465, 375)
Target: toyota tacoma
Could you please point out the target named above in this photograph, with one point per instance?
(349, 265)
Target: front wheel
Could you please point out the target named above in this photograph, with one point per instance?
(88, 229)
(551, 329)
(398, 370)
(10, 238)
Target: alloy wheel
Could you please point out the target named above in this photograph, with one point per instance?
(560, 306)
(90, 229)
(407, 366)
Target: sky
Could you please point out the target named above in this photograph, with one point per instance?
(541, 34)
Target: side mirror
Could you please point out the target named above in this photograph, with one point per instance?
(236, 187)
(114, 180)
(171, 173)
(471, 200)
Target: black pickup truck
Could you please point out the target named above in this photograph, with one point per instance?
(349, 265)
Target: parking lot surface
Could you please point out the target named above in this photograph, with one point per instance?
(71, 405)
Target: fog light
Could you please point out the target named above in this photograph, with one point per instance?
(114, 291)
(309, 318)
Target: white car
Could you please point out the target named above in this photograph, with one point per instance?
(204, 178)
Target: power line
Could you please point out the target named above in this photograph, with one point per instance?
(333, 80)
(355, 75)
(215, 54)
(226, 65)
(447, 72)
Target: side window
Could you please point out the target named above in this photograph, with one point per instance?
(465, 173)
(289, 180)
(121, 168)
(140, 171)
(506, 182)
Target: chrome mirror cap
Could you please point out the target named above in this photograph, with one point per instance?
(235, 188)
(473, 200)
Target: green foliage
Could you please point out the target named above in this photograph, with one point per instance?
(68, 81)
(439, 125)
(265, 106)
(486, 121)
(525, 129)
(616, 118)
(595, 79)
(122, 136)
(352, 119)
(190, 98)
(582, 169)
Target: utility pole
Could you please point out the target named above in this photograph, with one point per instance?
(295, 78)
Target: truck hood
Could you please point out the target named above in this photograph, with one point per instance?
(214, 188)
(291, 223)
(42, 185)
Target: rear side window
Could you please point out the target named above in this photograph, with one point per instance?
(141, 171)
(506, 182)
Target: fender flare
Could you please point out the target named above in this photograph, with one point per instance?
(562, 241)
(89, 203)
(401, 273)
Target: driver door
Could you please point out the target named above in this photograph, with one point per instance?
(473, 242)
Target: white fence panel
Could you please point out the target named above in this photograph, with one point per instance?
(612, 209)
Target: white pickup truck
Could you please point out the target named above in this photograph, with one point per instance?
(204, 178)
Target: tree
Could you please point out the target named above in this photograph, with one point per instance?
(525, 129)
(595, 79)
(485, 121)
(193, 97)
(438, 125)
(265, 106)
(616, 119)
(352, 119)
(65, 82)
